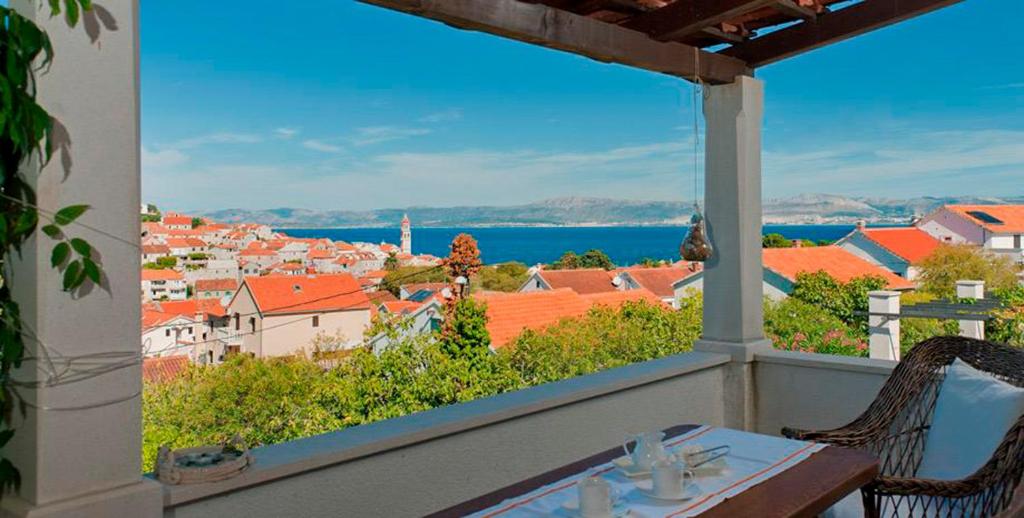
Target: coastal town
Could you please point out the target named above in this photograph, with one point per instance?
(210, 289)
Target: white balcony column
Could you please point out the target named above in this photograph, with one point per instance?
(78, 445)
(884, 325)
(733, 292)
(971, 290)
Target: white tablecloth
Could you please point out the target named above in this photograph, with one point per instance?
(753, 458)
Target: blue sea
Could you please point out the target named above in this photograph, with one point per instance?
(532, 245)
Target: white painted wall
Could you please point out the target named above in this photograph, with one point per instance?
(949, 227)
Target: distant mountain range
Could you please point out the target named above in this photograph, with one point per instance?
(802, 209)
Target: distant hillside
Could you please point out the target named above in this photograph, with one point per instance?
(805, 208)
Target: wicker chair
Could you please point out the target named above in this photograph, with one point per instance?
(895, 428)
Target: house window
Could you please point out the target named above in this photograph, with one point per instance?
(1016, 241)
(316, 320)
(237, 325)
(167, 332)
(537, 284)
(252, 324)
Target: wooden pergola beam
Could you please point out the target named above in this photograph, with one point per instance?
(830, 27)
(688, 17)
(562, 30)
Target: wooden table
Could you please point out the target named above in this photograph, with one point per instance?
(804, 490)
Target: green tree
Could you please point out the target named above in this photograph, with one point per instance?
(950, 263)
(265, 401)
(391, 263)
(774, 240)
(151, 218)
(604, 338)
(595, 258)
(507, 277)
(199, 256)
(468, 336)
(568, 261)
(197, 222)
(592, 258)
(162, 263)
(394, 279)
(840, 299)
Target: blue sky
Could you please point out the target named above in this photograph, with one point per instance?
(329, 104)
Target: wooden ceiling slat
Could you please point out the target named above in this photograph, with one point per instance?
(795, 10)
(688, 17)
(554, 28)
(830, 28)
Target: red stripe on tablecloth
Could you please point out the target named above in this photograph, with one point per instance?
(742, 481)
(570, 484)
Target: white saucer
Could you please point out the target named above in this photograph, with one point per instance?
(619, 510)
(646, 489)
(626, 466)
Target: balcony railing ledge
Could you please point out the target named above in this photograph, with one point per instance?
(826, 361)
(295, 457)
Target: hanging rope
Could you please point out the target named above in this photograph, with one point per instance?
(696, 246)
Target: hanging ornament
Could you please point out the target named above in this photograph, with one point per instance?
(696, 246)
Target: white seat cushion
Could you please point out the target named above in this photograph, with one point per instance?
(973, 412)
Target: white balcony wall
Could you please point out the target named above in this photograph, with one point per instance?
(814, 391)
(428, 461)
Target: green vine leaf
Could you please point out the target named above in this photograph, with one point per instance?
(72, 275)
(50, 230)
(82, 247)
(26, 222)
(91, 269)
(69, 214)
(60, 254)
(5, 436)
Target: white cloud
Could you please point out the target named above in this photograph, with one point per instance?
(218, 138)
(324, 147)
(377, 134)
(906, 163)
(442, 116)
(286, 133)
(164, 158)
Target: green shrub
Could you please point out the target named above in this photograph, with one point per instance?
(794, 325)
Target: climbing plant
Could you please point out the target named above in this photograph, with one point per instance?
(26, 136)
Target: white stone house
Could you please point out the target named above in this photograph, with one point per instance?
(997, 228)
(163, 284)
(280, 315)
(213, 269)
(897, 249)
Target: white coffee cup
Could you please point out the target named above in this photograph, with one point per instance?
(670, 478)
(595, 495)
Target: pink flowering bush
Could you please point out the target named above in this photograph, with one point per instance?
(794, 325)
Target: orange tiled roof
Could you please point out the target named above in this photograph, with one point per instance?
(618, 298)
(216, 284)
(316, 253)
(660, 280)
(508, 314)
(253, 253)
(401, 307)
(583, 281)
(190, 307)
(161, 275)
(155, 249)
(909, 243)
(159, 370)
(837, 262)
(376, 274)
(185, 242)
(282, 294)
(380, 297)
(419, 286)
(1012, 216)
(176, 219)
